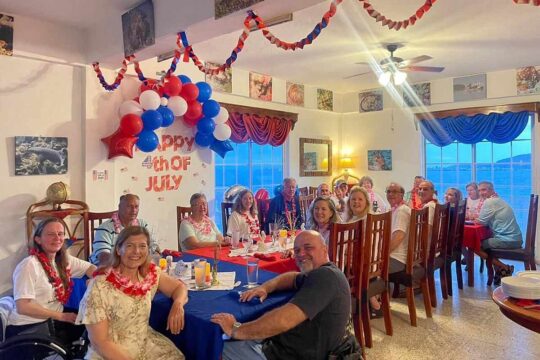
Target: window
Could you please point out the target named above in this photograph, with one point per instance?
(251, 165)
(508, 166)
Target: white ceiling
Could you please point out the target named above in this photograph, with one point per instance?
(466, 37)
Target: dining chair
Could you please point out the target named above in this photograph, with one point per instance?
(182, 212)
(226, 211)
(305, 202)
(303, 191)
(312, 190)
(345, 251)
(525, 254)
(415, 268)
(437, 252)
(455, 244)
(263, 205)
(375, 270)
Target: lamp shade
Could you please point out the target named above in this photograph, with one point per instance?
(384, 78)
(346, 163)
(400, 77)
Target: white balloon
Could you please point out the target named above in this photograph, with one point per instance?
(222, 117)
(164, 101)
(130, 107)
(222, 132)
(178, 105)
(150, 100)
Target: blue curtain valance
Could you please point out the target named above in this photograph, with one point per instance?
(494, 127)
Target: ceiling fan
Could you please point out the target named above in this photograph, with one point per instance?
(396, 66)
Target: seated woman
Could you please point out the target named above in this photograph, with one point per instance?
(358, 204)
(198, 230)
(323, 215)
(474, 202)
(378, 203)
(42, 286)
(452, 196)
(244, 216)
(116, 305)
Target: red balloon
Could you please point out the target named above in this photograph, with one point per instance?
(173, 86)
(151, 84)
(119, 144)
(189, 92)
(194, 110)
(131, 125)
(191, 122)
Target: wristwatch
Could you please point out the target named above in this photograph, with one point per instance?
(235, 327)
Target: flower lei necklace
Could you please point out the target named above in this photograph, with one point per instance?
(290, 214)
(118, 224)
(416, 202)
(203, 227)
(253, 225)
(62, 294)
(394, 208)
(124, 284)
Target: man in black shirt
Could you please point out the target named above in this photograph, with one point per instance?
(310, 325)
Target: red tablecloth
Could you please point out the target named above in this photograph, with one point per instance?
(473, 236)
(278, 266)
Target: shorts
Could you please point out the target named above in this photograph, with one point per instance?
(496, 243)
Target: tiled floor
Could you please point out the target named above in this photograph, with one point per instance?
(468, 325)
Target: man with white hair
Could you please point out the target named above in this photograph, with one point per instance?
(312, 325)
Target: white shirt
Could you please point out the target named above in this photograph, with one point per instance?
(401, 218)
(31, 282)
(238, 223)
(187, 230)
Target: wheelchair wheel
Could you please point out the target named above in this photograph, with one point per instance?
(33, 349)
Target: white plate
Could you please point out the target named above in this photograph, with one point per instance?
(521, 287)
(535, 274)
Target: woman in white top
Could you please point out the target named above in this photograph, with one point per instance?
(244, 216)
(323, 215)
(474, 201)
(42, 286)
(198, 230)
(378, 203)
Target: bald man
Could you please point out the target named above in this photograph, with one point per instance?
(310, 326)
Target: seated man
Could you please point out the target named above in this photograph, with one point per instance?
(285, 207)
(107, 232)
(401, 217)
(323, 190)
(310, 326)
(499, 217)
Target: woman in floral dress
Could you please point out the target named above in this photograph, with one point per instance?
(116, 306)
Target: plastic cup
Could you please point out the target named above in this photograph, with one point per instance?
(252, 268)
(200, 275)
(235, 239)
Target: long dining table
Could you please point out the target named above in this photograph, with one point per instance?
(201, 339)
(473, 234)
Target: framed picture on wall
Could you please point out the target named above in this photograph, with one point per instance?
(260, 86)
(417, 95)
(138, 28)
(295, 94)
(325, 100)
(528, 80)
(37, 155)
(470, 88)
(379, 160)
(225, 7)
(315, 157)
(6, 35)
(370, 101)
(219, 82)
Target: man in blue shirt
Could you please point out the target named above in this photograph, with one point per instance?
(499, 217)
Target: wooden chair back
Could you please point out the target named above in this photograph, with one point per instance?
(455, 230)
(439, 234)
(303, 191)
(305, 202)
(182, 212)
(418, 236)
(312, 190)
(376, 247)
(263, 205)
(95, 219)
(530, 237)
(226, 211)
(72, 213)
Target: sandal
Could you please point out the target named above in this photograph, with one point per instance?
(501, 273)
(375, 313)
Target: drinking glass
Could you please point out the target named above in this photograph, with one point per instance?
(200, 275)
(248, 242)
(235, 240)
(273, 228)
(252, 268)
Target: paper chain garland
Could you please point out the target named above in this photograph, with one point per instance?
(188, 52)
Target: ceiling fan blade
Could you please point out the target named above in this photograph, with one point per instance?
(361, 63)
(423, 68)
(355, 75)
(415, 60)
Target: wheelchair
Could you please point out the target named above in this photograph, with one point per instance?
(40, 346)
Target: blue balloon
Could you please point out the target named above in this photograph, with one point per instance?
(221, 147)
(211, 108)
(152, 119)
(184, 79)
(204, 140)
(206, 125)
(167, 115)
(148, 141)
(205, 91)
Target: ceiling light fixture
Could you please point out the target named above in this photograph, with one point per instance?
(386, 76)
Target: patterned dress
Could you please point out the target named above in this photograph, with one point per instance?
(128, 321)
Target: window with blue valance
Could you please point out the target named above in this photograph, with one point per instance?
(494, 127)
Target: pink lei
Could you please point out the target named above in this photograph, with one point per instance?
(254, 227)
(203, 227)
(118, 224)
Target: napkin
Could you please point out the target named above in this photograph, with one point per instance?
(264, 257)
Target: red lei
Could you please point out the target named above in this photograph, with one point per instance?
(125, 285)
(203, 227)
(62, 294)
(253, 225)
(416, 202)
(290, 215)
(118, 224)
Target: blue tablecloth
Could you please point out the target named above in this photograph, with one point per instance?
(200, 338)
